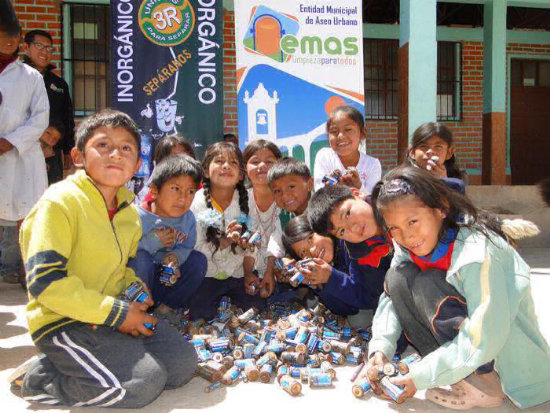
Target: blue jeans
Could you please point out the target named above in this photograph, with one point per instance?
(178, 295)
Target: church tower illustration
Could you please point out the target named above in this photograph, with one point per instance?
(261, 114)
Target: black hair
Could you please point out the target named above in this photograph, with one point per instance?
(9, 23)
(322, 204)
(230, 137)
(351, 113)
(106, 117)
(434, 193)
(258, 144)
(288, 166)
(59, 125)
(164, 147)
(297, 229)
(212, 233)
(173, 166)
(425, 132)
(29, 37)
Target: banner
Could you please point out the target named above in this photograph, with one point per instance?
(296, 61)
(166, 70)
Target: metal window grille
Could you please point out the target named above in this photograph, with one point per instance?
(86, 55)
(380, 77)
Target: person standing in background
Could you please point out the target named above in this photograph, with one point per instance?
(58, 138)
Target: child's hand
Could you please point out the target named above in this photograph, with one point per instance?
(135, 319)
(282, 276)
(377, 360)
(409, 389)
(166, 236)
(267, 284)
(351, 178)
(316, 272)
(250, 280)
(437, 169)
(171, 259)
(5, 146)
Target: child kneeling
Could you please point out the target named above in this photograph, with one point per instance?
(97, 350)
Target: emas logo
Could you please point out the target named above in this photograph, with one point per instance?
(265, 29)
(166, 22)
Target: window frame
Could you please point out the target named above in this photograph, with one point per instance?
(66, 55)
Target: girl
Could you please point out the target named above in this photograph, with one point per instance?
(259, 157)
(462, 296)
(346, 129)
(432, 149)
(335, 278)
(217, 206)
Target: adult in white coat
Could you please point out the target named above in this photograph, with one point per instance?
(24, 112)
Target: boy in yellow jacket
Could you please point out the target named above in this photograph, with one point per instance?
(75, 243)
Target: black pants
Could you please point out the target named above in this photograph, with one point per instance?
(429, 309)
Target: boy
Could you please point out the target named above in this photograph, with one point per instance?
(344, 213)
(75, 244)
(291, 183)
(169, 235)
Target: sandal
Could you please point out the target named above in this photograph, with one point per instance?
(464, 396)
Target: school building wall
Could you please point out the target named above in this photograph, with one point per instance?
(381, 135)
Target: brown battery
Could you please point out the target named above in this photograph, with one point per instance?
(208, 373)
(238, 353)
(217, 357)
(283, 323)
(340, 346)
(228, 361)
(292, 357)
(252, 372)
(300, 348)
(216, 366)
(290, 385)
(265, 373)
(375, 373)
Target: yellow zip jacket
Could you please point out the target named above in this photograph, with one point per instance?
(75, 257)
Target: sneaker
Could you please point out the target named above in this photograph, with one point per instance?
(18, 375)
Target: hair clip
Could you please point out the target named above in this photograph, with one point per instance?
(397, 186)
(210, 218)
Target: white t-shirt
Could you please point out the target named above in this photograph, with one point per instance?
(223, 263)
(368, 167)
(269, 225)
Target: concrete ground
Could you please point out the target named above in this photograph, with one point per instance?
(16, 347)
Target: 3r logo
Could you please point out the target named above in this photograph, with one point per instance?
(166, 22)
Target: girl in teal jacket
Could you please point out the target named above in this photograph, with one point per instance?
(462, 296)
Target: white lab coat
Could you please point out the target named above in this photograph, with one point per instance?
(24, 114)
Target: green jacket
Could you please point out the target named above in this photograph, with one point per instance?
(75, 258)
(501, 323)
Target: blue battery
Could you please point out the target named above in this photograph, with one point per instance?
(296, 279)
(392, 390)
(259, 349)
(301, 335)
(198, 342)
(312, 343)
(320, 380)
(248, 348)
(276, 347)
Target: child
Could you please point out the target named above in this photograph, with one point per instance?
(291, 184)
(432, 149)
(259, 157)
(218, 206)
(346, 129)
(169, 234)
(462, 295)
(335, 278)
(344, 213)
(75, 243)
(24, 112)
(169, 145)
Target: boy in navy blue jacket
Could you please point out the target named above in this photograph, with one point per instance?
(345, 214)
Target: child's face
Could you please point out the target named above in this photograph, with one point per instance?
(315, 246)
(291, 192)
(434, 146)
(8, 44)
(353, 220)
(175, 196)
(258, 165)
(413, 225)
(344, 135)
(224, 170)
(110, 157)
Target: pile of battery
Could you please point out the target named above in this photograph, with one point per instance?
(291, 346)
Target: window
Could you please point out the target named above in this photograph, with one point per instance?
(380, 72)
(86, 55)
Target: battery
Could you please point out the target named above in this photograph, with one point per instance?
(392, 390)
(360, 387)
(320, 380)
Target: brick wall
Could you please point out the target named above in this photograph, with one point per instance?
(229, 78)
(45, 15)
